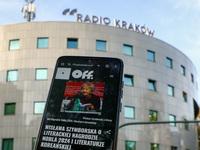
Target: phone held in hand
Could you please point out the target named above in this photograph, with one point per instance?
(83, 105)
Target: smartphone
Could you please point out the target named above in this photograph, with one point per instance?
(83, 105)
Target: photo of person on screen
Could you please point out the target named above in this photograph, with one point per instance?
(85, 100)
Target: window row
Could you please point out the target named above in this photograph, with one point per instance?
(8, 143)
(40, 74)
(129, 81)
(10, 108)
(131, 145)
(129, 112)
(169, 64)
(101, 45)
(43, 42)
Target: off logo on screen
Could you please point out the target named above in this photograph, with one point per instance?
(83, 75)
(64, 74)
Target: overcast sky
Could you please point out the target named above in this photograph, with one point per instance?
(176, 22)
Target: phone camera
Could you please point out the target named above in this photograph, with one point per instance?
(107, 66)
(62, 64)
(89, 61)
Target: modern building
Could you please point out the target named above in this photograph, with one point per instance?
(160, 82)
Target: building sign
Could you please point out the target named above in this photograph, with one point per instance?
(106, 21)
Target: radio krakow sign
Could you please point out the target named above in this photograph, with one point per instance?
(106, 21)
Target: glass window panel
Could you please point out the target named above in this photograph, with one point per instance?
(101, 45)
(130, 145)
(72, 43)
(169, 62)
(151, 56)
(12, 75)
(39, 107)
(128, 80)
(192, 78)
(128, 50)
(14, 44)
(129, 112)
(7, 144)
(41, 74)
(182, 70)
(172, 118)
(152, 85)
(154, 146)
(153, 115)
(184, 97)
(174, 148)
(33, 143)
(186, 125)
(9, 109)
(43, 43)
(170, 90)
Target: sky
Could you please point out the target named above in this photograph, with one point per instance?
(176, 22)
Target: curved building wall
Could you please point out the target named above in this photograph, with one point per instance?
(23, 125)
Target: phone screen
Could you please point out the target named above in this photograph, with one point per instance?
(83, 105)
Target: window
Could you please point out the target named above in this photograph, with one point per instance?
(129, 112)
(186, 124)
(169, 62)
(192, 78)
(14, 44)
(150, 55)
(9, 109)
(41, 74)
(153, 115)
(154, 146)
(196, 108)
(130, 145)
(100, 45)
(39, 107)
(182, 70)
(128, 80)
(172, 118)
(7, 144)
(174, 148)
(128, 50)
(33, 143)
(12, 75)
(72, 43)
(152, 85)
(184, 97)
(43, 43)
(170, 90)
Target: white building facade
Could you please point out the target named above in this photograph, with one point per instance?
(160, 82)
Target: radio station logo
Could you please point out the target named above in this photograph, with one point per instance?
(64, 74)
(107, 21)
(66, 11)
